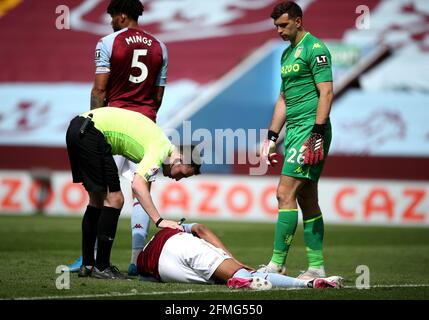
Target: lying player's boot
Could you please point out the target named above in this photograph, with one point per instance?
(84, 271)
(312, 273)
(255, 283)
(330, 282)
(272, 268)
(110, 272)
(74, 267)
(259, 283)
(132, 270)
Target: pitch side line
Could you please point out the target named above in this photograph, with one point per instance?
(394, 286)
(155, 293)
(128, 294)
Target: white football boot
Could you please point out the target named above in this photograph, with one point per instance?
(330, 282)
(271, 267)
(312, 273)
(255, 283)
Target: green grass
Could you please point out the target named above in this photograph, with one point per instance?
(32, 247)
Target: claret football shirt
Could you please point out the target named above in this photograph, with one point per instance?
(137, 62)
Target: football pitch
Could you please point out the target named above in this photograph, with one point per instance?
(31, 248)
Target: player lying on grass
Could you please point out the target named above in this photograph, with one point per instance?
(197, 255)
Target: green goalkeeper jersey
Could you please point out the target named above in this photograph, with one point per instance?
(302, 67)
(133, 136)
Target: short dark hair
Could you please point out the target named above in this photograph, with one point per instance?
(291, 8)
(132, 8)
(191, 156)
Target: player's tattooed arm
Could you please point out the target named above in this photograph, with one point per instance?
(98, 92)
(158, 95)
(96, 101)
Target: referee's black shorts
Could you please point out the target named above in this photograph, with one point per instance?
(91, 158)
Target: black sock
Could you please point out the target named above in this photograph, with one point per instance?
(105, 235)
(89, 234)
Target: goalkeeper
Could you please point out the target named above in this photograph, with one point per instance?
(305, 100)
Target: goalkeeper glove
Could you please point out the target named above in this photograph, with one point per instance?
(313, 147)
(269, 149)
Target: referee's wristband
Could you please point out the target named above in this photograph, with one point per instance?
(273, 136)
(158, 222)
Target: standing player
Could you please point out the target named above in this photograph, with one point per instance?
(305, 100)
(199, 256)
(131, 73)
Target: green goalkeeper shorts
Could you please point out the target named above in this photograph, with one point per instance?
(293, 164)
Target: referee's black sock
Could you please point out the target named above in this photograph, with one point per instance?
(89, 234)
(107, 225)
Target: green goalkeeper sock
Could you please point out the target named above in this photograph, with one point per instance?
(313, 237)
(287, 220)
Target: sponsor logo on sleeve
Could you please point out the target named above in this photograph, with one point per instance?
(97, 54)
(322, 60)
